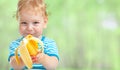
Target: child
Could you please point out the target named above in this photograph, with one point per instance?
(32, 18)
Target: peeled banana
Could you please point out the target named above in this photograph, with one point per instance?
(29, 46)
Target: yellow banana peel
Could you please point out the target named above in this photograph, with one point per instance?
(29, 46)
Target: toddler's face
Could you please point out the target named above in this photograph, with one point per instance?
(31, 23)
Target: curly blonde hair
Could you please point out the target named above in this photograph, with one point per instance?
(36, 5)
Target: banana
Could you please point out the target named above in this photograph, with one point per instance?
(29, 46)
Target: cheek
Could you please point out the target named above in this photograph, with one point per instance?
(21, 29)
(45, 25)
(39, 30)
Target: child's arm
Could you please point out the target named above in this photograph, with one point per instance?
(49, 62)
(15, 65)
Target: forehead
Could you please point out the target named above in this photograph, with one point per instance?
(30, 14)
(31, 11)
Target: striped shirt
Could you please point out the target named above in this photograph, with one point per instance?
(50, 49)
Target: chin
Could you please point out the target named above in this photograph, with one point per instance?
(32, 35)
(35, 36)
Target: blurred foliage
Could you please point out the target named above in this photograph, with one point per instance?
(86, 31)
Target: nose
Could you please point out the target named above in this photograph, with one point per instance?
(29, 27)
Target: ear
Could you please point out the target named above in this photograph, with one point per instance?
(45, 22)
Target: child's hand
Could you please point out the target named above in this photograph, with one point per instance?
(38, 58)
(34, 59)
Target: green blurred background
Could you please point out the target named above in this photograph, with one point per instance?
(87, 32)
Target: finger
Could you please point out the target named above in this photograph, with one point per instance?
(39, 51)
(34, 59)
(40, 55)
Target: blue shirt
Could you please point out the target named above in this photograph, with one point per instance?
(50, 49)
